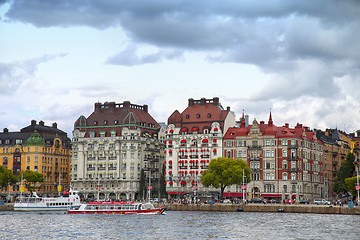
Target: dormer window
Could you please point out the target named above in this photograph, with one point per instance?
(116, 122)
(105, 122)
(209, 115)
(95, 122)
(198, 115)
(187, 116)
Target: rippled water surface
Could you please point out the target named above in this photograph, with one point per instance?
(178, 225)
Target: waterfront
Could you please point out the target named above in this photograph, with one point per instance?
(178, 225)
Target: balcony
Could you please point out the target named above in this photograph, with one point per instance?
(91, 168)
(101, 168)
(293, 158)
(91, 158)
(335, 163)
(293, 169)
(254, 147)
(254, 159)
(293, 146)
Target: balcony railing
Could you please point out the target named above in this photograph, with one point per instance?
(293, 146)
(293, 169)
(254, 159)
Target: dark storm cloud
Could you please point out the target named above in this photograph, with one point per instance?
(304, 44)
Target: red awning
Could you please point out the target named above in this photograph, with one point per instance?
(170, 151)
(205, 140)
(170, 161)
(214, 140)
(216, 129)
(170, 141)
(184, 130)
(194, 130)
(183, 141)
(175, 193)
(233, 194)
(270, 195)
(214, 150)
(171, 130)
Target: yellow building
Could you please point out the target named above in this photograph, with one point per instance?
(41, 149)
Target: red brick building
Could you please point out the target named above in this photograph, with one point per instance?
(285, 162)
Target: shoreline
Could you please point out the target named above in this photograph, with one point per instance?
(279, 208)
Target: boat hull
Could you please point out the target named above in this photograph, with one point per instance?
(127, 212)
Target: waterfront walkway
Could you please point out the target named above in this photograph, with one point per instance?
(294, 208)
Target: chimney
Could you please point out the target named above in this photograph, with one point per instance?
(262, 122)
(6, 130)
(286, 125)
(216, 101)
(202, 101)
(54, 125)
(191, 102)
(126, 104)
(97, 106)
(41, 123)
(228, 109)
(112, 105)
(146, 107)
(33, 122)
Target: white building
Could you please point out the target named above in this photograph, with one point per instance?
(111, 147)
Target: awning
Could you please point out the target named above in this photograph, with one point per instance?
(270, 195)
(233, 194)
(175, 193)
(205, 140)
(183, 141)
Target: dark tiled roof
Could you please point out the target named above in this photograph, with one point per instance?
(199, 114)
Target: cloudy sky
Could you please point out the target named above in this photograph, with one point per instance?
(301, 59)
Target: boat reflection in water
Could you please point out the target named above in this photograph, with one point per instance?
(116, 208)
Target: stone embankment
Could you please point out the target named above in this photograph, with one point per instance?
(7, 207)
(324, 209)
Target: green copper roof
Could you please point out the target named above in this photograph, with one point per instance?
(35, 140)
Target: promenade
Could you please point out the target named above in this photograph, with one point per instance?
(280, 208)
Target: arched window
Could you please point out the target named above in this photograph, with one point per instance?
(284, 164)
(284, 176)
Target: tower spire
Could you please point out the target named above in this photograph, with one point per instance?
(270, 119)
(242, 124)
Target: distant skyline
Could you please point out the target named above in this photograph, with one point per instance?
(301, 59)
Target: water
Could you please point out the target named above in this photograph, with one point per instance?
(178, 225)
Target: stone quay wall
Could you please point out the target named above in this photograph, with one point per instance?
(324, 209)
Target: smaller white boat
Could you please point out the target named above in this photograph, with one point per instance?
(116, 208)
(36, 203)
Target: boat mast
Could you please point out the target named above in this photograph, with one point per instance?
(59, 187)
(98, 194)
(149, 190)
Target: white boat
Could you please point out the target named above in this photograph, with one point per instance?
(116, 208)
(36, 203)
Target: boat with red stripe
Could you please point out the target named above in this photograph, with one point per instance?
(115, 208)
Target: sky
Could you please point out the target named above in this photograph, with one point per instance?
(298, 59)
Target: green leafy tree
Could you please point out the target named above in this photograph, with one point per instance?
(350, 185)
(31, 179)
(162, 186)
(224, 172)
(346, 170)
(6, 177)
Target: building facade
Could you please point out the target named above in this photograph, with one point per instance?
(39, 148)
(193, 138)
(286, 163)
(111, 148)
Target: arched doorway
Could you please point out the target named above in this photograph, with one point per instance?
(123, 196)
(255, 192)
(112, 196)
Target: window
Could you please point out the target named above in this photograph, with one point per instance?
(284, 164)
(267, 153)
(272, 153)
(198, 115)
(267, 142)
(228, 154)
(293, 176)
(267, 165)
(284, 176)
(284, 153)
(187, 116)
(209, 115)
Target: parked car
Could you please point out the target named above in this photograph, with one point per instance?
(273, 201)
(304, 201)
(318, 201)
(226, 200)
(256, 200)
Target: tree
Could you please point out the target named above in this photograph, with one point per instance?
(346, 170)
(162, 187)
(350, 185)
(6, 177)
(31, 179)
(224, 172)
